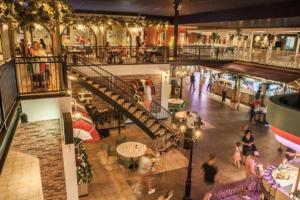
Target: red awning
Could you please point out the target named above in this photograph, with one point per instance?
(261, 71)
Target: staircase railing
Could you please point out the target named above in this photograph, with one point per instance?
(118, 86)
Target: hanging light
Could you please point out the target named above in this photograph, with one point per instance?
(197, 133)
(182, 128)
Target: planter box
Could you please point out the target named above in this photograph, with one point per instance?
(83, 189)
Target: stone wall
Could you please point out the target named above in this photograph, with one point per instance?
(42, 140)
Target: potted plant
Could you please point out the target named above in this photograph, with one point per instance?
(84, 169)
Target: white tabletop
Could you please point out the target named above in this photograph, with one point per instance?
(190, 121)
(175, 101)
(182, 114)
(131, 149)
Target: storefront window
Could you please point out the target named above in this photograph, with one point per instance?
(290, 43)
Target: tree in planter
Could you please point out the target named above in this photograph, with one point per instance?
(84, 169)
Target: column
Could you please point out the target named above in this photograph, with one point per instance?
(297, 51)
(237, 90)
(5, 42)
(11, 38)
(176, 7)
(251, 45)
(57, 39)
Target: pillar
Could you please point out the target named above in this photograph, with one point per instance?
(5, 42)
(176, 16)
(57, 39)
(297, 49)
(237, 89)
(251, 46)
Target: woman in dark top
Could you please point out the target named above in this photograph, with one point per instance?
(248, 144)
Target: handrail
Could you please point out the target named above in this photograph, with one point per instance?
(130, 96)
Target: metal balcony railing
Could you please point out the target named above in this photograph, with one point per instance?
(40, 74)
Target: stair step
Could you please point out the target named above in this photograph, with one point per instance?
(102, 89)
(143, 118)
(138, 113)
(115, 97)
(161, 131)
(96, 85)
(120, 101)
(132, 109)
(150, 123)
(154, 129)
(109, 93)
(126, 105)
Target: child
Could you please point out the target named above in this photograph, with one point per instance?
(237, 155)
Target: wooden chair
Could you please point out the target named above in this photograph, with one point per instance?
(120, 139)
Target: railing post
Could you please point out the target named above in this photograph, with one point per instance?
(64, 71)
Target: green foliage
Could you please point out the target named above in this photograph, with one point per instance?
(26, 12)
(84, 169)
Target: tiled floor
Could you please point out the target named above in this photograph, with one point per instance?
(20, 178)
(35, 164)
(224, 131)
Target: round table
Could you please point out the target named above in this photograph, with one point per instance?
(182, 115)
(175, 101)
(131, 150)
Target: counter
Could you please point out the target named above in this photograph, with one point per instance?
(278, 181)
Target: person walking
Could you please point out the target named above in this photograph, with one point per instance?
(248, 144)
(145, 170)
(251, 165)
(211, 175)
(209, 85)
(224, 89)
(147, 96)
(252, 112)
(192, 81)
(258, 94)
(237, 156)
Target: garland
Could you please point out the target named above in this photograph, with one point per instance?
(84, 169)
(108, 21)
(26, 12)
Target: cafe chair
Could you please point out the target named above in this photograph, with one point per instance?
(120, 139)
(183, 106)
(111, 152)
(124, 162)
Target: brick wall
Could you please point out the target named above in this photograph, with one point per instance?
(42, 139)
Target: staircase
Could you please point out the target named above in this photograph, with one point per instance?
(158, 123)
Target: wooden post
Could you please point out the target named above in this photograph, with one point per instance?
(251, 46)
(297, 50)
(5, 42)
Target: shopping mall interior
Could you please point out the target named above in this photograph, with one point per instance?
(149, 100)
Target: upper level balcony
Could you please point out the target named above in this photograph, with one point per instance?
(200, 54)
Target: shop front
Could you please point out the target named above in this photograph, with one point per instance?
(252, 85)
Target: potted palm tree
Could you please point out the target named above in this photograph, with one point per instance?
(84, 169)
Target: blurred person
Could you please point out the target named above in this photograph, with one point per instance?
(224, 89)
(147, 96)
(145, 170)
(192, 81)
(211, 175)
(251, 164)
